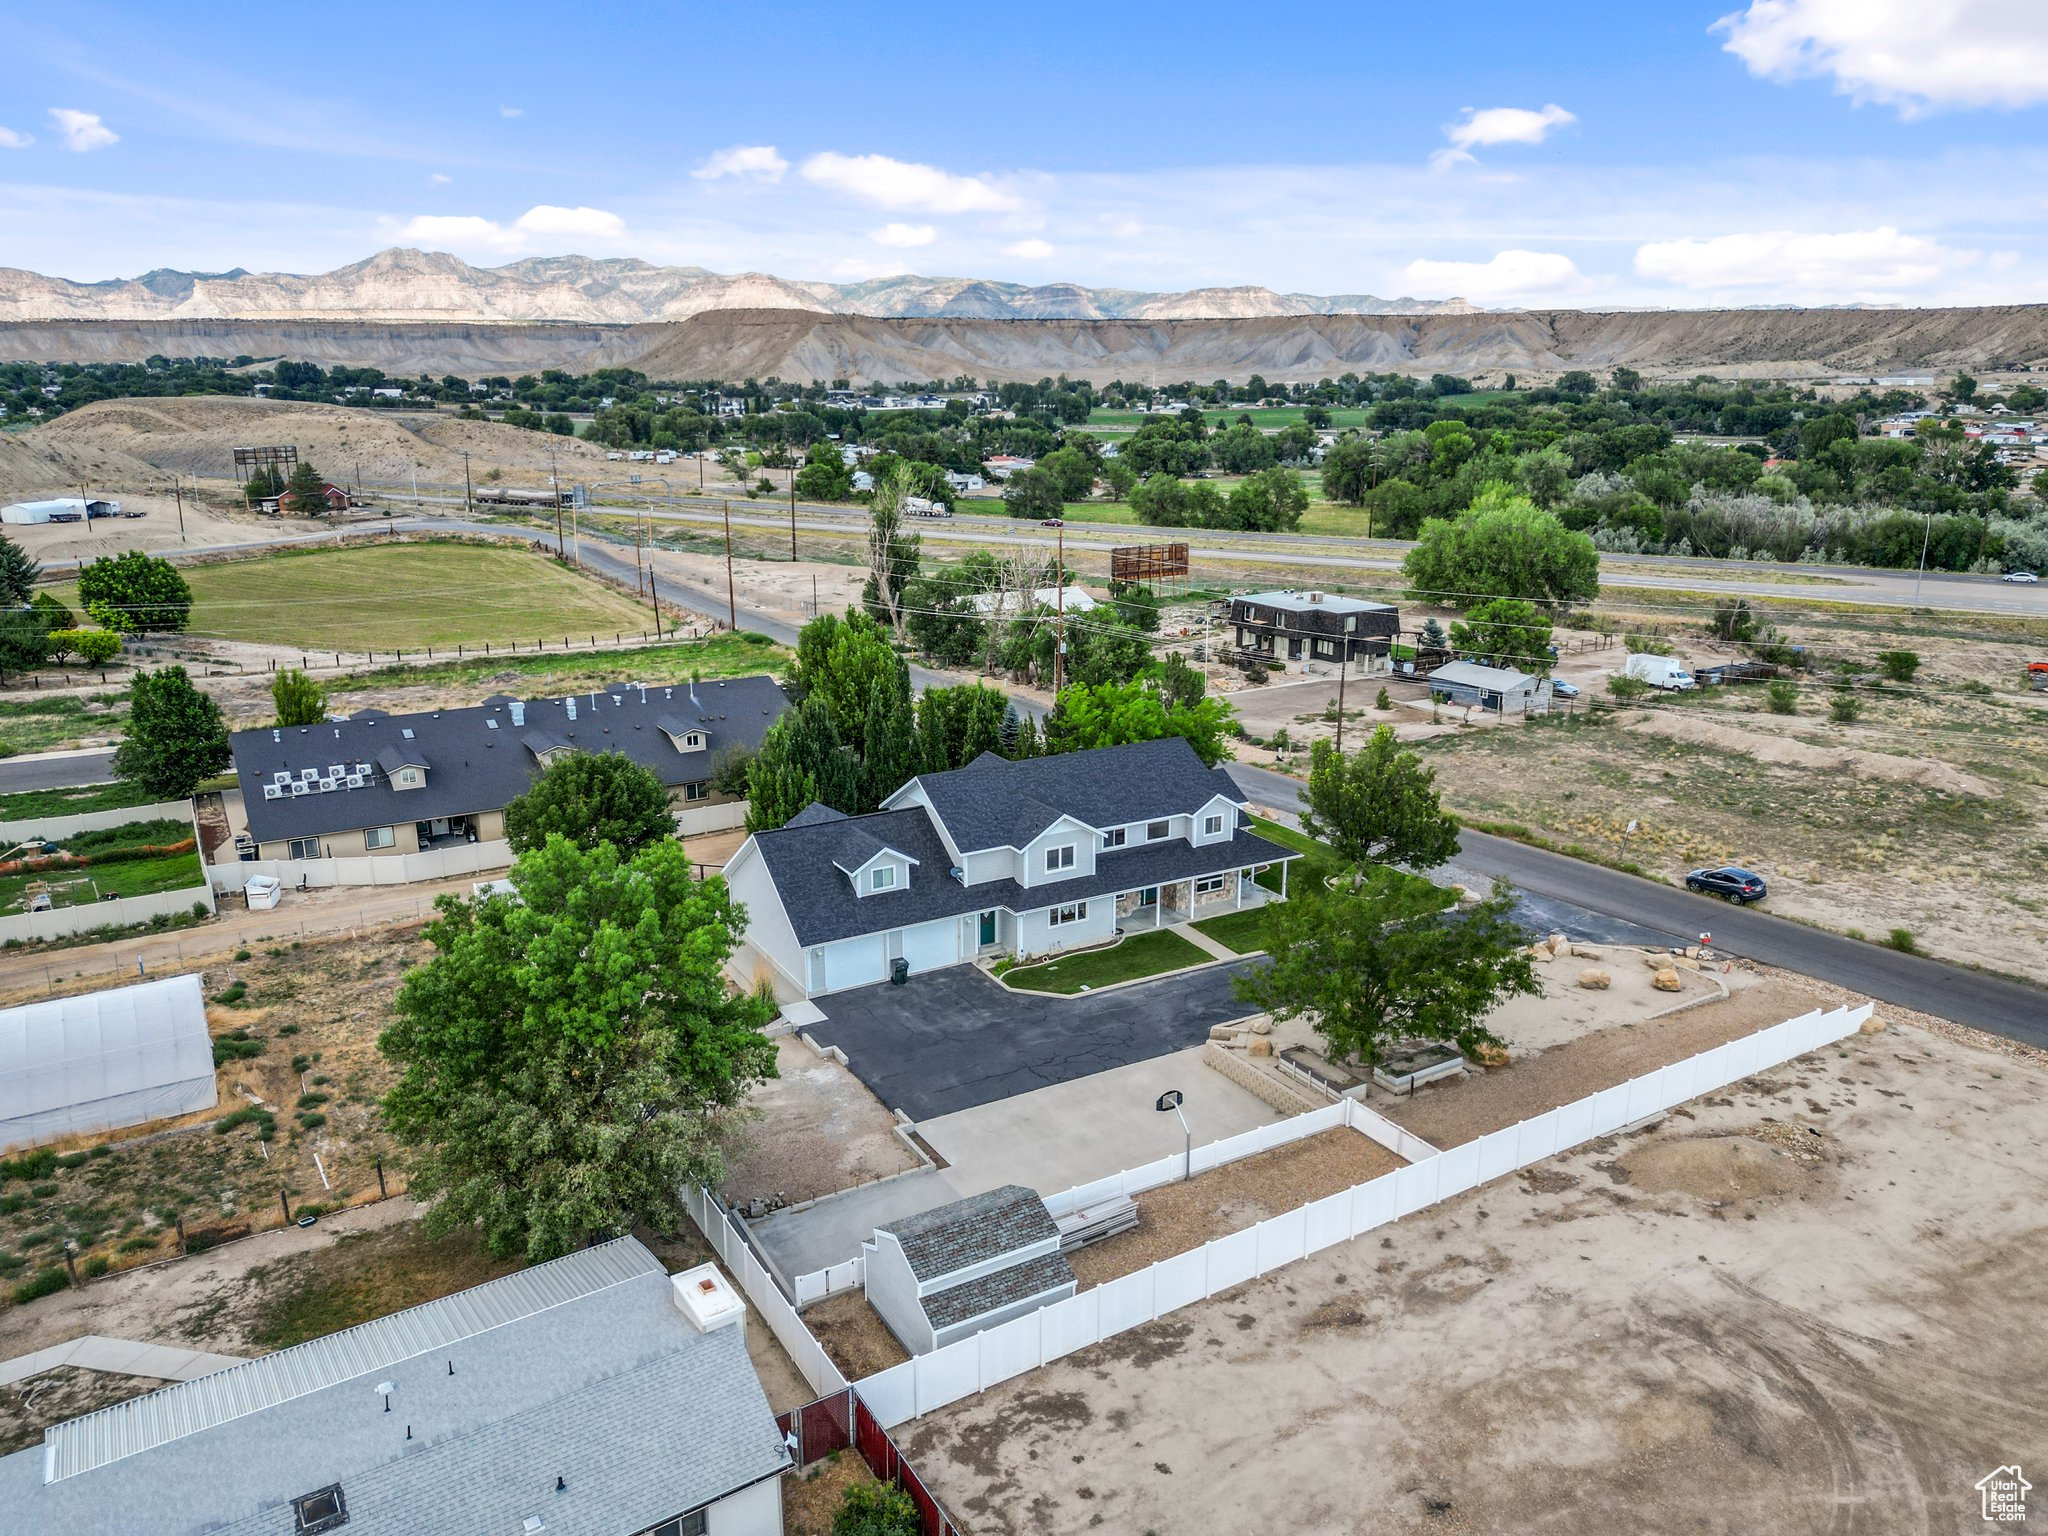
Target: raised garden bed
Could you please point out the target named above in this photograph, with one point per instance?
(1412, 1066)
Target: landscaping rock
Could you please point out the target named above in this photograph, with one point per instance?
(1222, 1031)
(1262, 1026)
(1492, 1057)
(1593, 979)
(1687, 961)
(1666, 980)
(1657, 962)
(1261, 1047)
(1871, 1026)
(1559, 943)
(1586, 951)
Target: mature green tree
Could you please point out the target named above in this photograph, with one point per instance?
(571, 1060)
(1034, 494)
(842, 661)
(135, 592)
(1502, 546)
(1546, 475)
(18, 572)
(1382, 960)
(1111, 714)
(802, 759)
(1073, 469)
(888, 746)
(1164, 502)
(1378, 805)
(1350, 469)
(1505, 632)
(1271, 501)
(307, 488)
(299, 700)
(824, 476)
(53, 613)
(176, 736)
(893, 553)
(956, 725)
(1178, 682)
(24, 640)
(1119, 477)
(591, 798)
(262, 485)
(1243, 449)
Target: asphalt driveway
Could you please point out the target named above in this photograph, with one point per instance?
(952, 1039)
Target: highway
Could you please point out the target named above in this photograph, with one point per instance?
(1990, 1003)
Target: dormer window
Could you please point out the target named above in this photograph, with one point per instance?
(882, 878)
(1155, 830)
(1211, 825)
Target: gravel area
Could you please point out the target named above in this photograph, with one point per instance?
(1462, 1109)
(1176, 1217)
(854, 1335)
(820, 1131)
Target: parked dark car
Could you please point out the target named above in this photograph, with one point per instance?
(1741, 886)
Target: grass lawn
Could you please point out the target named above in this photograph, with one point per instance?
(1243, 931)
(72, 802)
(78, 886)
(1142, 954)
(37, 725)
(400, 596)
(363, 1276)
(745, 654)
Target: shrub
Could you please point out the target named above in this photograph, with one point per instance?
(43, 1191)
(1646, 645)
(248, 1114)
(1781, 697)
(102, 1150)
(876, 1509)
(139, 1243)
(72, 1160)
(300, 1063)
(311, 1100)
(312, 1122)
(1902, 940)
(1845, 708)
(1898, 666)
(9, 1204)
(1624, 687)
(46, 1282)
(39, 1164)
(96, 1266)
(241, 954)
(287, 1029)
(232, 994)
(1384, 701)
(236, 1045)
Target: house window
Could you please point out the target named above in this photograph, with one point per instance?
(692, 1524)
(698, 791)
(378, 837)
(1115, 837)
(1211, 825)
(1072, 912)
(1061, 857)
(883, 879)
(321, 1510)
(1209, 884)
(1155, 830)
(303, 848)
(1351, 625)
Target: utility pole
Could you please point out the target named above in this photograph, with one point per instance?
(792, 514)
(1343, 663)
(639, 560)
(1926, 535)
(1059, 649)
(561, 549)
(654, 601)
(468, 493)
(178, 490)
(732, 607)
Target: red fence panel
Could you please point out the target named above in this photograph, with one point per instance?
(834, 1423)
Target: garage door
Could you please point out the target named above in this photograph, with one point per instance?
(932, 945)
(853, 963)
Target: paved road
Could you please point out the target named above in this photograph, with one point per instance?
(1989, 1003)
(63, 770)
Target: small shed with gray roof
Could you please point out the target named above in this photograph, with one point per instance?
(954, 1271)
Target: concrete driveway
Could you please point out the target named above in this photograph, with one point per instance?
(950, 1040)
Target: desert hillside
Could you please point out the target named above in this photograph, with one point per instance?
(800, 344)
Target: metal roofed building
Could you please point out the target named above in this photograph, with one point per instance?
(944, 1274)
(1023, 858)
(380, 784)
(103, 1060)
(1501, 690)
(575, 1398)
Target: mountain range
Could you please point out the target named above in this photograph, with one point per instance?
(402, 284)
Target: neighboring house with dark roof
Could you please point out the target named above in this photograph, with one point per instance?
(1018, 858)
(948, 1273)
(1291, 630)
(379, 784)
(592, 1396)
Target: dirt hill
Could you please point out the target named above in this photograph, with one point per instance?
(799, 344)
(33, 465)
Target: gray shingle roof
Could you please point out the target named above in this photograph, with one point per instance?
(995, 803)
(822, 906)
(972, 1231)
(582, 1369)
(990, 1293)
(477, 759)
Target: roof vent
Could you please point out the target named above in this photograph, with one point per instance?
(518, 712)
(571, 705)
(958, 874)
(707, 1298)
(274, 736)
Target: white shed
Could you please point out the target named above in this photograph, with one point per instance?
(104, 1060)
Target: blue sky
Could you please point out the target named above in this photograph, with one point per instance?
(1591, 154)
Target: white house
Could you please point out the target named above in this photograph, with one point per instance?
(947, 1273)
(1500, 690)
(1022, 858)
(1068, 599)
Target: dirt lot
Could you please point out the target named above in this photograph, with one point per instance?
(854, 1335)
(1727, 1323)
(820, 1131)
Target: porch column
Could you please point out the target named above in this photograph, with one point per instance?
(1237, 891)
(1283, 880)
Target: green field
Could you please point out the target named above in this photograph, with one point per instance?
(78, 886)
(400, 596)
(37, 724)
(72, 802)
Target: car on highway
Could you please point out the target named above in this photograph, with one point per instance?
(1562, 689)
(1054, 522)
(1729, 881)
(2027, 578)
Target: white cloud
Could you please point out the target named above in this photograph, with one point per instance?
(574, 223)
(439, 179)
(1029, 250)
(901, 184)
(749, 162)
(904, 234)
(9, 139)
(1916, 55)
(511, 111)
(1498, 125)
(1509, 276)
(1852, 262)
(83, 131)
(466, 231)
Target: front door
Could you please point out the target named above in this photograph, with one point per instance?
(988, 928)
(1149, 897)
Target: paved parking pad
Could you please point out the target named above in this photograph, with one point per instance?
(950, 1040)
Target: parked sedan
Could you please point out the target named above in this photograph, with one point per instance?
(1741, 886)
(2027, 578)
(1562, 689)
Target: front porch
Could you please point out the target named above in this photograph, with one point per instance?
(1180, 902)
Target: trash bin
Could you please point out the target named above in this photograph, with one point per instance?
(899, 972)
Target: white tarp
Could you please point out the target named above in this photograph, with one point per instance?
(103, 1060)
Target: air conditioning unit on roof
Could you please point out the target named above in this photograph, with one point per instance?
(273, 791)
(281, 777)
(357, 780)
(301, 787)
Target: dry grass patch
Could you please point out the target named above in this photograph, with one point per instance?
(853, 1334)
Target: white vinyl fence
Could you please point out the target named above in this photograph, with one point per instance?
(695, 820)
(930, 1381)
(57, 828)
(760, 1288)
(480, 858)
(820, 1283)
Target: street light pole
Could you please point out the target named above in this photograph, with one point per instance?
(732, 607)
(1926, 536)
(1171, 1100)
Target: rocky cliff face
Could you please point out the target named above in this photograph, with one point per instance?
(401, 284)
